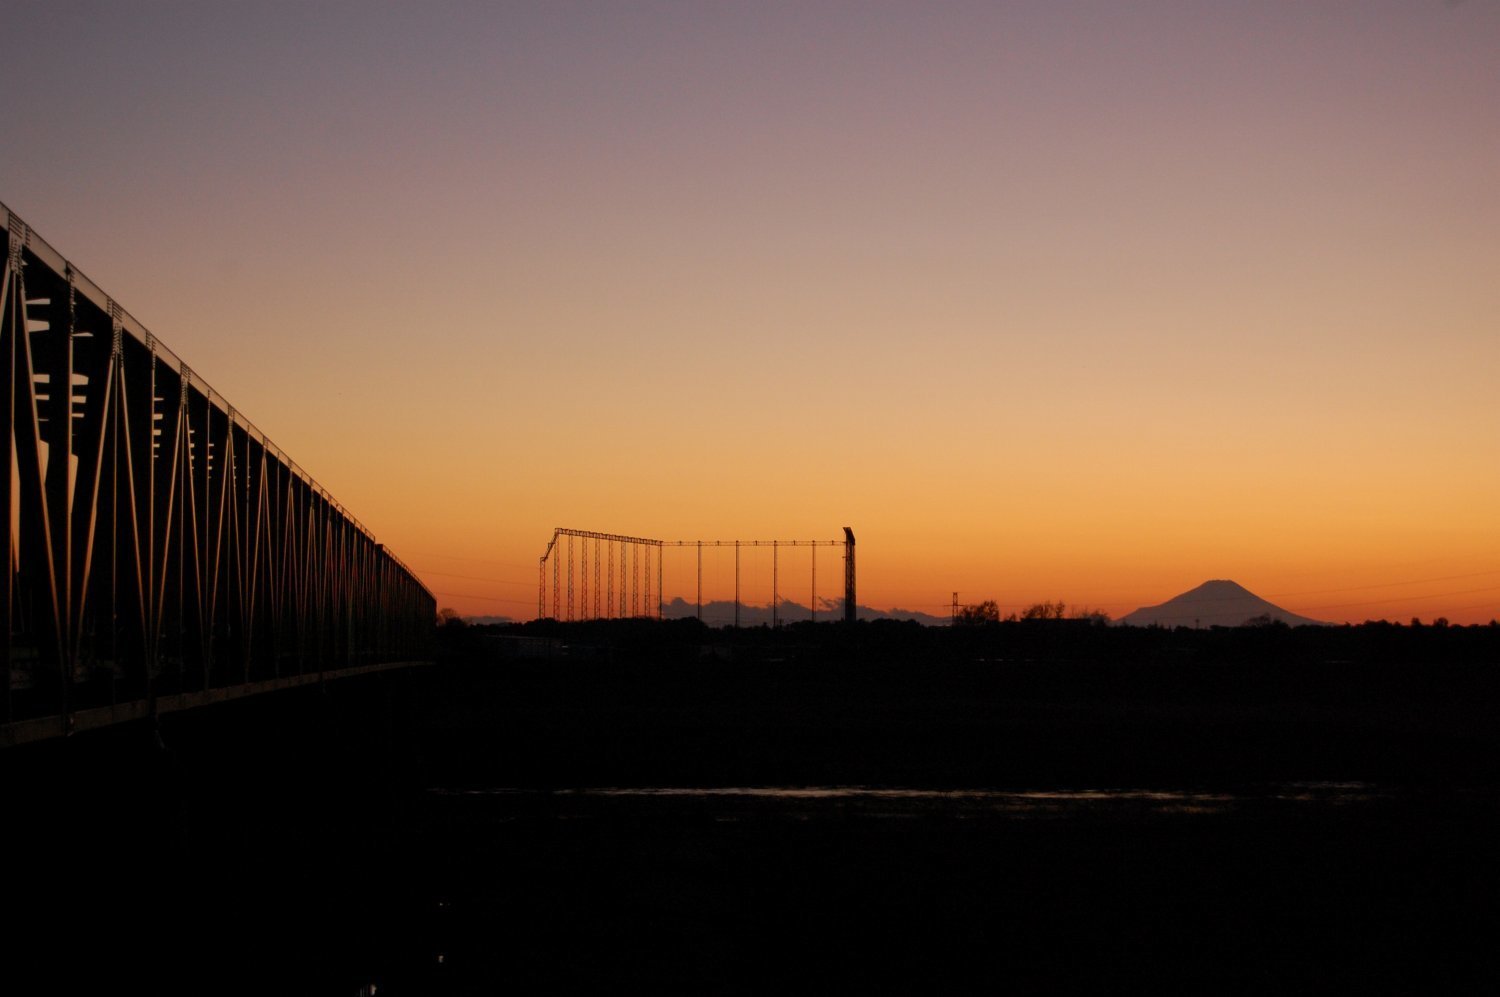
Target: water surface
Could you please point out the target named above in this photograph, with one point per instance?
(1284, 887)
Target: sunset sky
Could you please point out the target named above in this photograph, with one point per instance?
(1052, 300)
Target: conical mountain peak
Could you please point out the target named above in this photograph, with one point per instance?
(1216, 603)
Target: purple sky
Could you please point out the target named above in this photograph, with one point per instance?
(1078, 300)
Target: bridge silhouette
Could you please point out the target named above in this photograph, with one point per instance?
(162, 552)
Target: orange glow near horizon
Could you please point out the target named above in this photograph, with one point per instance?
(1088, 306)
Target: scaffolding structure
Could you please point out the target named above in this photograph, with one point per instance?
(570, 574)
(568, 553)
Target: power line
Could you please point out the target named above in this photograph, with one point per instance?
(482, 598)
(1405, 598)
(469, 578)
(1384, 585)
(473, 560)
(1492, 604)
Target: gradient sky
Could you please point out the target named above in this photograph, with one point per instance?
(1079, 301)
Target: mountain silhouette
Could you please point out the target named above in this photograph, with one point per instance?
(1220, 603)
(718, 613)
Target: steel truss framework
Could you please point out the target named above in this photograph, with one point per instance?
(560, 553)
(569, 553)
(159, 545)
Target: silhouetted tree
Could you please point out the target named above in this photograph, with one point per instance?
(1044, 611)
(972, 616)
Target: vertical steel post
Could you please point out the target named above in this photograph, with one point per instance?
(148, 598)
(12, 326)
(183, 480)
(700, 581)
(850, 610)
(117, 374)
(67, 658)
(736, 584)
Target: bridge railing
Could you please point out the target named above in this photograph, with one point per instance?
(158, 543)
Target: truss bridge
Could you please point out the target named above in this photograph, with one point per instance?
(161, 551)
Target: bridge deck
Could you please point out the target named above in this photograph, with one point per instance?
(61, 725)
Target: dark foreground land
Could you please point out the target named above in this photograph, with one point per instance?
(896, 810)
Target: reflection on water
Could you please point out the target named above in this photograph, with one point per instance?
(732, 803)
(749, 889)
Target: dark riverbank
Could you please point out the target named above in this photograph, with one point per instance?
(323, 840)
(960, 724)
